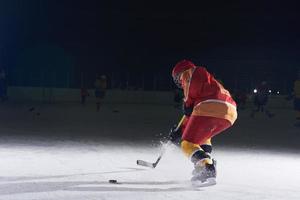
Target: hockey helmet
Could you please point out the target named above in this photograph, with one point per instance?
(180, 67)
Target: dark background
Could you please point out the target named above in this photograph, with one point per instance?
(60, 43)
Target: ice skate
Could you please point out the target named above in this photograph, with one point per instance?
(204, 173)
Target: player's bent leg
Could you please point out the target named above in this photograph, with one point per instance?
(204, 165)
(200, 130)
(195, 152)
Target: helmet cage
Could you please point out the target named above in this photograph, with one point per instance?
(177, 80)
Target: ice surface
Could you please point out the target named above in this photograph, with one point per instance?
(71, 152)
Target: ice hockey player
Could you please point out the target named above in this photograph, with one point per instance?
(209, 109)
(261, 99)
(100, 89)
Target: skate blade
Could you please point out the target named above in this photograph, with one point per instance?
(208, 182)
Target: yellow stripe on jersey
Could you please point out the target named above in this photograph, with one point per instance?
(216, 109)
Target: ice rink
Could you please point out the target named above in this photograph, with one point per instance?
(69, 151)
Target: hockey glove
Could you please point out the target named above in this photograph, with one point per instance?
(175, 135)
(187, 111)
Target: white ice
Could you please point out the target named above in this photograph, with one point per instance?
(70, 152)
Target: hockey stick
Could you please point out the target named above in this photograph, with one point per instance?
(153, 165)
(162, 152)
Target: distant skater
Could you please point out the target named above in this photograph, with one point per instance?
(241, 98)
(3, 85)
(100, 89)
(261, 99)
(297, 97)
(84, 94)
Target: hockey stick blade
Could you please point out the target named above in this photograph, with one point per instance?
(145, 163)
(148, 164)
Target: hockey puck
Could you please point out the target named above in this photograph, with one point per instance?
(112, 181)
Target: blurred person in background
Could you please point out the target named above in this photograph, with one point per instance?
(241, 98)
(3, 85)
(261, 98)
(100, 89)
(84, 93)
(296, 95)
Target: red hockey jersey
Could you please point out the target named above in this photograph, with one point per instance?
(207, 95)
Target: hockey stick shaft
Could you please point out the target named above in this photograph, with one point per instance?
(180, 122)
